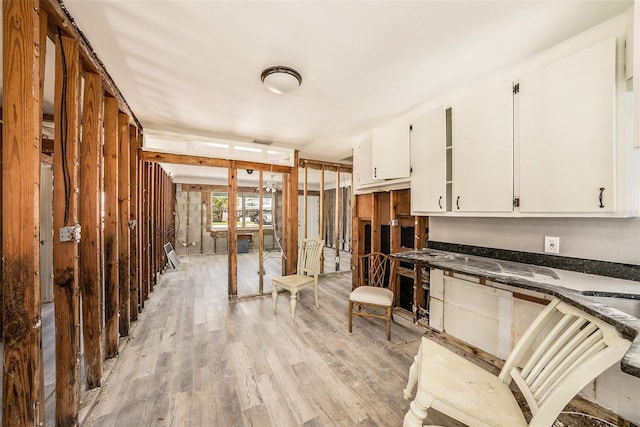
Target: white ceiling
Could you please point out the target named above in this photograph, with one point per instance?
(194, 67)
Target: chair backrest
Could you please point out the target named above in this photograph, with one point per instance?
(553, 362)
(309, 256)
(373, 269)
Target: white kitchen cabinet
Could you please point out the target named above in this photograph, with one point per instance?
(362, 170)
(567, 133)
(429, 162)
(483, 148)
(390, 154)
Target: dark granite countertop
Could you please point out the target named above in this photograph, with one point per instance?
(591, 293)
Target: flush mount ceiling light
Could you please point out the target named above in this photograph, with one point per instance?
(280, 79)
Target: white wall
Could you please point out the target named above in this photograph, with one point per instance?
(606, 239)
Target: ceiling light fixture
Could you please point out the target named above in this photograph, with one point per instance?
(280, 79)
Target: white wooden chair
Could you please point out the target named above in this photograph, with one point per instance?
(371, 294)
(306, 275)
(577, 349)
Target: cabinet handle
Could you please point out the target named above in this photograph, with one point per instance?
(600, 197)
(458, 203)
(440, 202)
(375, 172)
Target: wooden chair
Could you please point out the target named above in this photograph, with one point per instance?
(306, 275)
(576, 350)
(372, 294)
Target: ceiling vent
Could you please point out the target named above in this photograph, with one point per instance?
(262, 142)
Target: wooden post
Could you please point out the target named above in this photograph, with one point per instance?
(322, 216)
(375, 223)
(89, 263)
(152, 226)
(142, 232)
(394, 231)
(65, 214)
(304, 201)
(111, 229)
(261, 232)
(134, 289)
(293, 215)
(356, 250)
(232, 233)
(285, 225)
(123, 224)
(336, 222)
(23, 378)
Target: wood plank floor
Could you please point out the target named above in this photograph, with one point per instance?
(194, 359)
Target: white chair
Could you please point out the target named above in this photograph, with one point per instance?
(577, 349)
(371, 294)
(306, 275)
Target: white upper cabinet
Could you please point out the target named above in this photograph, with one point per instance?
(390, 152)
(362, 171)
(483, 148)
(429, 160)
(567, 133)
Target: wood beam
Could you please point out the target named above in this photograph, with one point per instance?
(111, 229)
(65, 214)
(89, 263)
(304, 201)
(60, 18)
(144, 234)
(292, 217)
(134, 220)
(336, 222)
(23, 379)
(261, 232)
(152, 226)
(232, 233)
(184, 159)
(322, 217)
(328, 166)
(123, 224)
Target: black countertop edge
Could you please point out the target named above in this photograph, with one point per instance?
(580, 265)
(624, 323)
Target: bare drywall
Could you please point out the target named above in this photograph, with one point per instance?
(606, 239)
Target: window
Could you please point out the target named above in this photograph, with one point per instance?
(248, 210)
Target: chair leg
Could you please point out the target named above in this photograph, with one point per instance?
(294, 298)
(315, 294)
(389, 316)
(274, 296)
(350, 315)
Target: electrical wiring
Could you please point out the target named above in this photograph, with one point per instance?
(64, 126)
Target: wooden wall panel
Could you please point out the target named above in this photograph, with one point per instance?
(89, 262)
(23, 382)
(134, 290)
(65, 214)
(111, 229)
(123, 225)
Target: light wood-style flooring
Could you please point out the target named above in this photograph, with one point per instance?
(195, 359)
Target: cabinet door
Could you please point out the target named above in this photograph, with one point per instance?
(483, 149)
(428, 161)
(362, 169)
(567, 133)
(390, 152)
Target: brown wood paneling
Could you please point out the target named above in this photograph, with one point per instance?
(23, 381)
(123, 225)
(89, 262)
(363, 206)
(111, 229)
(134, 290)
(65, 213)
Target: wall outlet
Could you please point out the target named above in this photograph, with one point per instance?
(552, 245)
